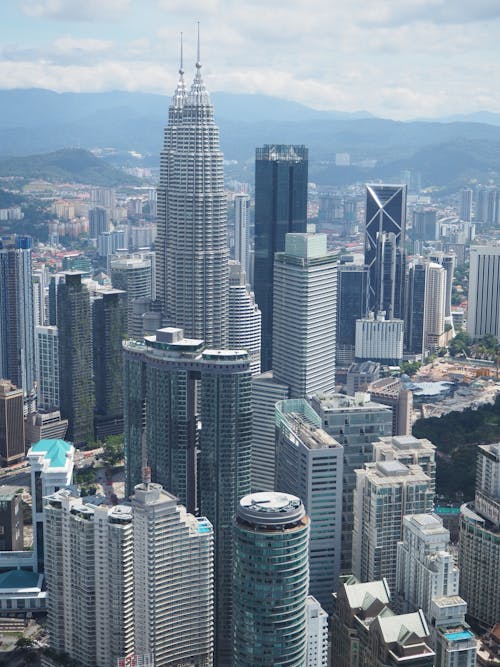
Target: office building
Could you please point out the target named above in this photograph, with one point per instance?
(51, 464)
(365, 630)
(192, 245)
(425, 224)
(479, 543)
(56, 279)
(359, 376)
(317, 634)
(466, 204)
(451, 637)
(11, 423)
(90, 579)
(309, 462)
(98, 222)
(354, 422)
(388, 273)
(266, 392)
(39, 280)
(386, 214)
(133, 275)
(270, 626)
(170, 377)
(76, 386)
(483, 314)
(448, 262)
(385, 492)
(304, 315)
(45, 426)
(378, 339)
(242, 231)
(408, 450)
(173, 580)
(244, 317)
(435, 307)
(391, 392)
(47, 367)
(352, 304)
(280, 208)
(415, 315)
(425, 567)
(11, 519)
(17, 328)
(109, 323)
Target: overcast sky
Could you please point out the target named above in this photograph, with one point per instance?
(395, 58)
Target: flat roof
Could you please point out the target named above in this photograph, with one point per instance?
(15, 579)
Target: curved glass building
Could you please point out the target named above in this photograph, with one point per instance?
(271, 578)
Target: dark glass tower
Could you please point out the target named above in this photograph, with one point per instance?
(385, 214)
(352, 304)
(76, 385)
(280, 207)
(414, 320)
(109, 325)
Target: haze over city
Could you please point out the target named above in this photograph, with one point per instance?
(401, 60)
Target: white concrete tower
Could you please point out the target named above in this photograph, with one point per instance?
(244, 317)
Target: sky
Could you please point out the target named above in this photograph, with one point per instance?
(400, 59)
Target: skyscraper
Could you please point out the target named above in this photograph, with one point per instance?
(385, 492)
(76, 386)
(98, 222)
(270, 591)
(11, 423)
(304, 315)
(192, 245)
(109, 322)
(466, 205)
(386, 214)
(242, 231)
(483, 315)
(309, 462)
(17, 327)
(244, 317)
(280, 207)
(173, 580)
(352, 304)
(133, 274)
(168, 378)
(47, 367)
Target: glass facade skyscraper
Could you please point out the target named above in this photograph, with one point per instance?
(271, 577)
(280, 207)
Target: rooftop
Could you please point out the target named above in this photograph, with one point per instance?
(16, 579)
(361, 595)
(55, 451)
(270, 508)
(8, 493)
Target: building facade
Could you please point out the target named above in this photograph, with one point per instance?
(47, 338)
(281, 173)
(11, 423)
(270, 626)
(304, 315)
(483, 314)
(244, 317)
(352, 304)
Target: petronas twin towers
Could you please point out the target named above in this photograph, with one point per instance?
(192, 246)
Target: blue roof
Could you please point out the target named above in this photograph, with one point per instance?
(55, 450)
(19, 579)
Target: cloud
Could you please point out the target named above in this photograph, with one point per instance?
(75, 10)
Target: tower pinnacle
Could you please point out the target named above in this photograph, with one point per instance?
(198, 59)
(179, 96)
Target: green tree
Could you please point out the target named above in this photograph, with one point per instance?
(113, 450)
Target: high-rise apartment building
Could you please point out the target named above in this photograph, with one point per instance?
(17, 328)
(304, 315)
(425, 224)
(109, 322)
(425, 567)
(451, 637)
(47, 367)
(76, 386)
(11, 423)
(132, 274)
(379, 339)
(244, 317)
(270, 591)
(391, 392)
(466, 205)
(317, 634)
(386, 214)
(435, 307)
(11, 519)
(196, 437)
(448, 261)
(352, 304)
(280, 207)
(408, 450)
(355, 422)
(479, 546)
(90, 579)
(242, 231)
(385, 492)
(39, 280)
(483, 315)
(173, 569)
(98, 222)
(192, 245)
(309, 462)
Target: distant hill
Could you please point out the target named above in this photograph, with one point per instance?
(446, 153)
(69, 164)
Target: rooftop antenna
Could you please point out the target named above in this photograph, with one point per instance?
(198, 60)
(181, 68)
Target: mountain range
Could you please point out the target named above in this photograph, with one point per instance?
(447, 152)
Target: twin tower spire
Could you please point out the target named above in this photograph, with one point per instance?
(198, 95)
